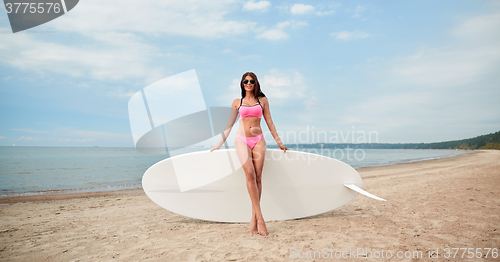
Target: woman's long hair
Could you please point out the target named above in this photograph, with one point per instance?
(256, 91)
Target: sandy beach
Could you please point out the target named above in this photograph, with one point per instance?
(432, 205)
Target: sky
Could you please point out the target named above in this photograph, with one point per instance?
(407, 71)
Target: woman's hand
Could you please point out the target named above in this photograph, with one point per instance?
(214, 148)
(283, 147)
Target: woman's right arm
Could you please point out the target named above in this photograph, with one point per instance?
(227, 130)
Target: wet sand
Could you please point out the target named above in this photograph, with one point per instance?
(436, 204)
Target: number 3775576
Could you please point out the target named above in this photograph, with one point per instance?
(33, 8)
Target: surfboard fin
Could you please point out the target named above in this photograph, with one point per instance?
(361, 191)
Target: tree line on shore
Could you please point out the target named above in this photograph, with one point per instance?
(489, 141)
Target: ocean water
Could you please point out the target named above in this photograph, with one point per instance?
(51, 170)
(358, 158)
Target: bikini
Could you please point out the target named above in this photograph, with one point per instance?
(250, 111)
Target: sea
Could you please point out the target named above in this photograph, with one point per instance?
(27, 171)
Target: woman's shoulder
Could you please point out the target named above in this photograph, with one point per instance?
(263, 99)
(236, 102)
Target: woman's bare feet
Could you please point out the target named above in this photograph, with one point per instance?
(253, 226)
(262, 229)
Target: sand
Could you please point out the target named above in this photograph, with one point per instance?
(432, 205)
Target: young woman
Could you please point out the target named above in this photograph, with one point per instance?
(250, 144)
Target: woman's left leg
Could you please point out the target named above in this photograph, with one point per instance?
(258, 157)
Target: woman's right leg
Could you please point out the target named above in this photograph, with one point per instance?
(258, 156)
(245, 156)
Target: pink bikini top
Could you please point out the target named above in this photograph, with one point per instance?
(250, 111)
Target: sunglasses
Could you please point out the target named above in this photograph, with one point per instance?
(251, 81)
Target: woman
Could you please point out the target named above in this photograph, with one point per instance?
(250, 144)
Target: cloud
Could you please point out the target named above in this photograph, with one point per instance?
(69, 135)
(482, 28)
(301, 9)
(31, 139)
(100, 136)
(123, 49)
(257, 6)
(476, 56)
(278, 33)
(196, 18)
(380, 109)
(2, 137)
(274, 34)
(34, 131)
(278, 84)
(234, 91)
(445, 67)
(436, 88)
(357, 12)
(282, 85)
(346, 35)
(323, 13)
(312, 102)
(124, 60)
(67, 140)
(292, 23)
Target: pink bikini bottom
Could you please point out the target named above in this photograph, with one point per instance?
(250, 141)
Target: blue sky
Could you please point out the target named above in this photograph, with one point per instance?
(412, 71)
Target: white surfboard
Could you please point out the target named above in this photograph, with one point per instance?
(212, 186)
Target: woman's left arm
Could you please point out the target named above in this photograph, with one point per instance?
(270, 124)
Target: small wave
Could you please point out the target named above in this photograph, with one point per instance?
(71, 190)
(412, 160)
(61, 168)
